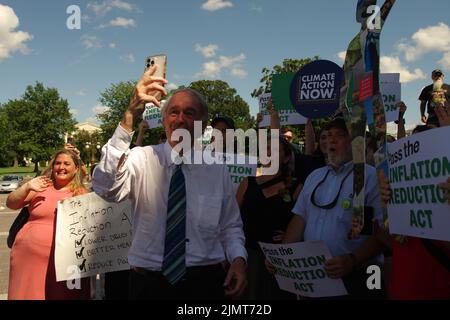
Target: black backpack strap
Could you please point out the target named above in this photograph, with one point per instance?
(437, 253)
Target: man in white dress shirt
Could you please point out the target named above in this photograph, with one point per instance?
(213, 227)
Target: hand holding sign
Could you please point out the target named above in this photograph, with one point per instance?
(259, 118)
(339, 266)
(143, 126)
(385, 189)
(401, 106)
(446, 187)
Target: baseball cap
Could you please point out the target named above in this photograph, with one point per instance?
(337, 123)
(228, 121)
(437, 71)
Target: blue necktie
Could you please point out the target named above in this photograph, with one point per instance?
(174, 265)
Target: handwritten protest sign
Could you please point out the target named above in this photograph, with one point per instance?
(92, 234)
(391, 90)
(300, 268)
(416, 165)
(287, 115)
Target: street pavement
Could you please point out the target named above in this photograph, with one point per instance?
(7, 217)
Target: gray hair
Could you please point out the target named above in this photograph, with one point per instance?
(194, 93)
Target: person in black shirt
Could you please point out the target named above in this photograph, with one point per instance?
(436, 94)
(266, 202)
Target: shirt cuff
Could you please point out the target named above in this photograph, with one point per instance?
(237, 252)
(121, 139)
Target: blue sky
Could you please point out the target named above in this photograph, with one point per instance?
(215, 39)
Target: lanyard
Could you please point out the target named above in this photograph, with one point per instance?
(332, 204)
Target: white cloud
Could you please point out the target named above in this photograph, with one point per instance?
(341, 55)
(172, 86)
(81, 93)
(213, 5)
(90, 42)
(106, 6)
(445, 61)
(120, 22)
(256, 8)
(239, 73)
(389, 64)
(431, 39)
(212, 69)
(208, 51)
(112, 45)
(128, 58)
(98, 108)
(91, 120)
(85, 18)
(74, 112)
(10, 40)
(230, 61)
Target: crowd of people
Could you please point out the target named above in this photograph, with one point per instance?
(195, 238)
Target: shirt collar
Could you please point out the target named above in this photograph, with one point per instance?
(176, 160)
(343, 169)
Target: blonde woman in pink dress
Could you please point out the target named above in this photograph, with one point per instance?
(32, 269)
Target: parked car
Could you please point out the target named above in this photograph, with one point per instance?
(10, 183)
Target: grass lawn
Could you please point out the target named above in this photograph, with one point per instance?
(23, 171)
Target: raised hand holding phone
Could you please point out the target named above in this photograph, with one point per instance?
(160, 61)
(145, 91)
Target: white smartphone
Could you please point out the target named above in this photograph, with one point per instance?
(161, 61)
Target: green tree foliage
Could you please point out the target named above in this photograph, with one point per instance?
(7, 153)
(89, 145)
(38, 122)
(223, 100)
(116, 98)
(288, 65)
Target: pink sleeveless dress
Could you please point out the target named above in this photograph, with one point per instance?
(32, 266)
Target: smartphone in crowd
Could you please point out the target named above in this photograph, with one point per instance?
(161, 61)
